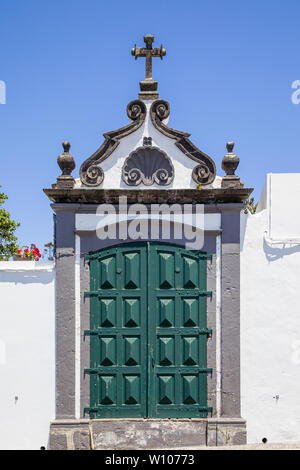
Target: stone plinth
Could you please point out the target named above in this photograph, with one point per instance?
(141, 434)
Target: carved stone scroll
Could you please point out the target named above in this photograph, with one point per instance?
(205, 172)
(91, 174)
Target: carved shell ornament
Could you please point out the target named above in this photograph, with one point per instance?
(205, 172)
(91, 174)
(148, 165)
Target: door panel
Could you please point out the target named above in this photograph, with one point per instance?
(148, 332)
(118, 332)
(177, 332)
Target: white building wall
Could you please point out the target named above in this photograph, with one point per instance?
(27, 353)
(270, 313)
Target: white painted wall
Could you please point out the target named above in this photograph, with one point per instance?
(27, 357)
(270, 313)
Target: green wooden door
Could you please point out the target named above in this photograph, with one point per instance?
(148, 332)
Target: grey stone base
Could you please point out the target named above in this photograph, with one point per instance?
(148, 434)
(138, 434)
(70, 434)
(226, 431)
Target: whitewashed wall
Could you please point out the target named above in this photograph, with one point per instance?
(270, 312)
(27, 353)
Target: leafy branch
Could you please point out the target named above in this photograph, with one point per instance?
(8, 240)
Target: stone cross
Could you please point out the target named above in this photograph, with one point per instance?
(148, 86)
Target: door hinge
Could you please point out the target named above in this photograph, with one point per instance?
(90, 371)
(209, 409)
(207, 370)
(90, 410)
(88, 293)
(205, 331)
(90, 332)
(205, 256)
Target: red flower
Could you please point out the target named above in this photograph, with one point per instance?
(39, 255)
(26, 250)
(36, 259)
(19, 251)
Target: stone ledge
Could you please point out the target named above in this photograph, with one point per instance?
(147, 434)
(184, 196)
(139, 434)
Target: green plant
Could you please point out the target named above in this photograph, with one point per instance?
(49, 251)
(251, 206)
(8, 240)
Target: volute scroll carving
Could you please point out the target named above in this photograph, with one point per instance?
(91, 174)
(205, 172)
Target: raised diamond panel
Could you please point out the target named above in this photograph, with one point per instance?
(190, 389)
(131, 389)
(108, 273)
(107, 351)
(166, 311)
(132, 351)
(166, 390)
(190, 273)
(107, 389)
(190, 350)
(131, 312)
(132, 270)
(107, 312)
(190, 312)
(166, 270)
(166, 351)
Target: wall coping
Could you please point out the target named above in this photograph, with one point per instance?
(20, 266)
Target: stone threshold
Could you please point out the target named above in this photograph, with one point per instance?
(145, 434)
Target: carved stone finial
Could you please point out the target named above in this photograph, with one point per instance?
(229, 147)
(66, 146)
(148, 86)
(67, 164)
(230, 163)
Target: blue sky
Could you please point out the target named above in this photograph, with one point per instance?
(69, 75)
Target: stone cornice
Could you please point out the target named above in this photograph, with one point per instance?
(149, 196)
